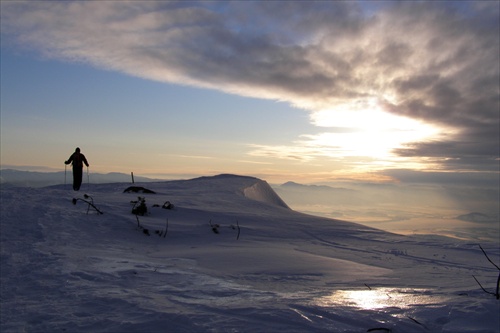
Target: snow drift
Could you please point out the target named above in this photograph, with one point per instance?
(66, 268)
(261, 191)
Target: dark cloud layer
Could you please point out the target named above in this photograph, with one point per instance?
(433, 61)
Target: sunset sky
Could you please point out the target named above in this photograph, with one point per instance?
(305, 91)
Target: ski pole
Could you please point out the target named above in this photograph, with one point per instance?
(88, 179)
(64, 174)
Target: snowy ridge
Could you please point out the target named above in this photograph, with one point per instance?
(263, 268)
(261, 191)
(18, 178)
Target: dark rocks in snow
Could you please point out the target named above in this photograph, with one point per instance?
(138, 189)
(168, 205)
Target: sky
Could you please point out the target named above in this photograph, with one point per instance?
(282, 90)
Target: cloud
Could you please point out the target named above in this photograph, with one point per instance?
(296, 152)
(474, 179)
(435, 62)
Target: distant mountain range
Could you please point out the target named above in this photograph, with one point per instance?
(293, 185)
(477, 218)
(17, 178)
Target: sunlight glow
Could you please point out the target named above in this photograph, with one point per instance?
(380, 298)
(364, 129)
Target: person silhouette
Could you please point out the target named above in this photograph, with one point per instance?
(77, 159)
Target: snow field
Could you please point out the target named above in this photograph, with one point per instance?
(65, 270)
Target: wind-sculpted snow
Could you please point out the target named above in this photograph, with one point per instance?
(261, 191)
(267, 269)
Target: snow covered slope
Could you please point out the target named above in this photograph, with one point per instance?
(234, 258)
(261, 191)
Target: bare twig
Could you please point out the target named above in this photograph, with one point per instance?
(497, 293)
(417, 322)
(488, 257)
(498, 287)
(90, 204)
(486, 291)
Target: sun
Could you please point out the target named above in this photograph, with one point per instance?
(365, 130)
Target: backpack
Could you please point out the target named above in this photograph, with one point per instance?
(77, 160)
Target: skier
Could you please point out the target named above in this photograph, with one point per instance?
(78, 160)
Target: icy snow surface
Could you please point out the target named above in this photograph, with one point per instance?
(66, 270)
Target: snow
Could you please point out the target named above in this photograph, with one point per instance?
(261, 191)
(66, 270)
